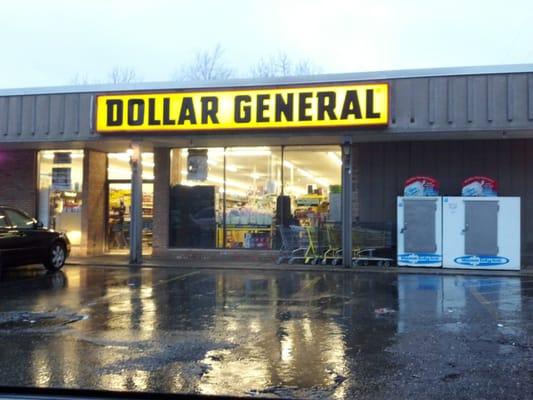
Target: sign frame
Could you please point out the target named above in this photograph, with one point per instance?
(243, 129)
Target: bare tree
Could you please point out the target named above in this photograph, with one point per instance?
(122, 75)
(207, 65)
(282, 65)
(80, 79)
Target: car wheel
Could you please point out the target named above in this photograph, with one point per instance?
(56, 257)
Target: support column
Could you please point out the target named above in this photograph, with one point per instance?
(356, 188)
(93, 212)
(346, 204)
(161, 200)
(136, 204)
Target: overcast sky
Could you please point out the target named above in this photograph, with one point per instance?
(46, 43)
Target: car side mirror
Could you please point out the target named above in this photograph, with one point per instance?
(38, 225)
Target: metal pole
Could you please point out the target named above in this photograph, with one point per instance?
(346, 204)
(136, 204)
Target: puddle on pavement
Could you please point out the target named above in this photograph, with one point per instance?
(21, 320)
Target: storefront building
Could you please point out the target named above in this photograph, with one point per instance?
(213, 169)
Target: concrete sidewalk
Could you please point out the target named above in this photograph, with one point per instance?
(160, 262)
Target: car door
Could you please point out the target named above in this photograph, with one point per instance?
(11, 242)
(27, 241)
(8, 244)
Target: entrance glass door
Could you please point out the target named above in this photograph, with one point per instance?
(119, 217)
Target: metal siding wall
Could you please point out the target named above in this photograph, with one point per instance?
(401, 104)
(42, 113)
(427, 105)
(419, 115)
(14, 116)
(498, 99)
(459, 102)
(527, 203)
(4, 113)
(27, 128)
(57, 116)
(71, 114)
(520, 99)
(439, 102)
(84, 115)
(530, 97)
(479, 91)
(383, 168)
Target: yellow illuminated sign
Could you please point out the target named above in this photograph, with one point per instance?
(299, 107)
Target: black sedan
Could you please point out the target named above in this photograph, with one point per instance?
(24, 240)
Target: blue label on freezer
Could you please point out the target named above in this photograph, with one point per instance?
(420, 258)
(481, 261)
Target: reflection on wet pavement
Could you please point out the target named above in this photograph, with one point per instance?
(286, 334)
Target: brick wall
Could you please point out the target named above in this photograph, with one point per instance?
(18, 179)
(161, 198)
(94, 203)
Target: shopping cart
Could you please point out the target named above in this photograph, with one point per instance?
(372, 244)
(294, 244)
(333, 236)
(298, 244)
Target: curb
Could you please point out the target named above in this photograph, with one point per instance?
(305, 268)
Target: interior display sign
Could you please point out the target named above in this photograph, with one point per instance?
(62, 158)
(299, 107)
(61, 179)
(197, 165)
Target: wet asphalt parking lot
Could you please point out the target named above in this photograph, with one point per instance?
(268, 334)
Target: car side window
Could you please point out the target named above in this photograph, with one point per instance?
(3, 221)
(18, 219)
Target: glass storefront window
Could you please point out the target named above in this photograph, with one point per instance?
(253, 183)
(312, 184)
(196, 187)
(231, 198)
(60, 191)
(119, 201)
(118, 166)
(119, 215)
(312, 179)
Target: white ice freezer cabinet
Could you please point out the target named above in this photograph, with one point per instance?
(481, 232)
(419, 231)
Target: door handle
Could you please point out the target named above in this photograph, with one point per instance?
(403, 229)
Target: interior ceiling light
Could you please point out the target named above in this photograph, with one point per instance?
(248, 153)
(215, 179)
(233, 192)
(74, 154)
(305, 173)
(322, 181)
(288, 164)
(335, 158)
(120, 156)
